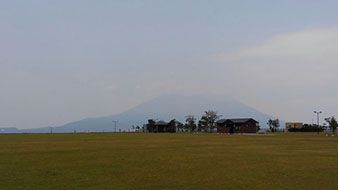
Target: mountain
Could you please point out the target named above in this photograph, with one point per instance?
(165, 108)
(9, 130)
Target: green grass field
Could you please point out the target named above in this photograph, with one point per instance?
(168, 161)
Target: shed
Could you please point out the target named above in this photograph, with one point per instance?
(238, 125)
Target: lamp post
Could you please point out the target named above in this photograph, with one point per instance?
(115, 123)
(318, 112)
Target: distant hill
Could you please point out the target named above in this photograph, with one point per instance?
(9, 130)
(165, 108)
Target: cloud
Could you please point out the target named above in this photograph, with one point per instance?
(112, 86)
(297, 70)
(317, 43)
(296, 59)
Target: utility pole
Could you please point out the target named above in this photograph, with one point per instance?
(115, 123)
(318, 112)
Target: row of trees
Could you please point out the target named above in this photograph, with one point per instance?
(207, 122)
(308, 128)
(331, 121)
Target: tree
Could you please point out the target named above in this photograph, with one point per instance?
(258, 127)
(144, 128)
(172, 126)
(151, 125)
(190, 123)
(179, 126)
(208, 120)
(273, 124)
(202, 124)
(332, 123)
(269, 123)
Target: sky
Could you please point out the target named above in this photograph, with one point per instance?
(62, 61)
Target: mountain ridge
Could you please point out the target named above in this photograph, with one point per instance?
(165, 107)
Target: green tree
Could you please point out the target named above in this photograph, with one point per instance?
(151, 125)
(332, 123)
(172, 126)
(208, 120)
(258, 127)
(179, 126)
(273, 124)
(276, 124)
(202, 124)
(269, 123)
(190, 123)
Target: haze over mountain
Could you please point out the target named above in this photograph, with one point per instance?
(63, 61)
(166, 107)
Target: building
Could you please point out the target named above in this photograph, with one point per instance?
(296, 125)
(161, 127)
(242, 125)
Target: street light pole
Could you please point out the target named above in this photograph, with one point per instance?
(318, 112)
(115, 123)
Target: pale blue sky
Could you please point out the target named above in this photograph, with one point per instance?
(62, 61)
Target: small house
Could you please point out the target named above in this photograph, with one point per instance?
(293, 125)
(242, 125)
(161, 127)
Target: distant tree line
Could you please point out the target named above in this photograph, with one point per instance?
(207, 123)
(308, 128)
(331, 121)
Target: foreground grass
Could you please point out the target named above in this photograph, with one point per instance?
(168, 161)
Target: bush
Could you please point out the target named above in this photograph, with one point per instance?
(308, 128)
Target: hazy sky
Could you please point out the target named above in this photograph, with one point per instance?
(62, 61)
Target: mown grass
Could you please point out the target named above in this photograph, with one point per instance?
(168, 161)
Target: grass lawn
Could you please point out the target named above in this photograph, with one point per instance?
(168, 161)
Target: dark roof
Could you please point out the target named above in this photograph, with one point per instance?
(236, 121)
(221, 121)
(161, 123)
